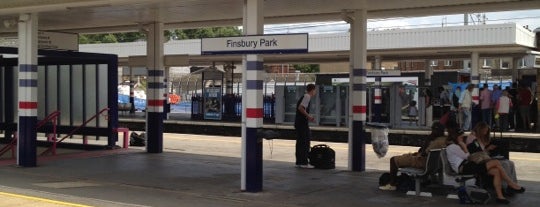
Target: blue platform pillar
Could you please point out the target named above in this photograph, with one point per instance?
(357, 94)
(26, 145)
(155, 97)
(252, 103)
(475, 78)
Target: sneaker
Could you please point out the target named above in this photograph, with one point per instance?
(387, 187)
(304, 166)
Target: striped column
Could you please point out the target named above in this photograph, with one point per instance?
(475, 79)
(377, 98)
(252, 103)
(155, 91)
(357, 96)
(26, 145)
(131, 91)
(427, 79)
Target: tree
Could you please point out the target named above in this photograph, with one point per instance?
(177, 34)
(307, 68)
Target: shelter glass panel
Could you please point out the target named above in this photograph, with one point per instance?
(77, 95)
(2, 99)
(52, 88)
(90, 89)
(15, 90)
(65, 93)
(104, 93)
(42, 92)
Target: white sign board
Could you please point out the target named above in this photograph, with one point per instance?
(58, 41)
(262, 44)
(383, 73)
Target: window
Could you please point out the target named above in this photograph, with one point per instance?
(447, 63)
(505, 65)
(433, 63)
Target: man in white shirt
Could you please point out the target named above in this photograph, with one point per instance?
(465, 106)
(301, 126)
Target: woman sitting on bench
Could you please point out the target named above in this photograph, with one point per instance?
(481, 133)
(457, 154)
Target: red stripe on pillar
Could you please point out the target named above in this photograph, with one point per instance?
(254, 113)
(27, 105)
(359, 109)
(378, 97)
(155, 102)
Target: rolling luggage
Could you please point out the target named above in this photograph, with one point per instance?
(322, 157)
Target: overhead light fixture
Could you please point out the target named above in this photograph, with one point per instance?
(88, 6)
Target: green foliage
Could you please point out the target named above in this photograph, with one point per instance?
(181, 34)
(177, 34)
(307, 68)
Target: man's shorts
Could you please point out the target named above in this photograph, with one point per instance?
(410, 160)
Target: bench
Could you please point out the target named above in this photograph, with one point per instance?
(432, 167)
(449, 176)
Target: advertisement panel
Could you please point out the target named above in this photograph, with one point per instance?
(212, 103)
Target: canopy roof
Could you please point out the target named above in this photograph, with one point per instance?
(87, 16)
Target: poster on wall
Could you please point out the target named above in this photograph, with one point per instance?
(212, 103)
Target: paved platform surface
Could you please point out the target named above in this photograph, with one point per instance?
(197, 170)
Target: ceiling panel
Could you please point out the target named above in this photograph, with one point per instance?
(120, 15)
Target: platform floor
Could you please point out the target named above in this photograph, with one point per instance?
(198, 170)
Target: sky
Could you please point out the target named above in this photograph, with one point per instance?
(526, 17)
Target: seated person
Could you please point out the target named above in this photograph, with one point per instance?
(480, 134)
(436, 140)
(457, 154)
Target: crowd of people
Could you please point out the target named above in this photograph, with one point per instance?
(491, 170)
(506, 109)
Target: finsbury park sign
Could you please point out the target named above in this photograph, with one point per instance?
(260, 44)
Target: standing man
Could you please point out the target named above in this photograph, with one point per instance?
(503, 109)
(525, 100)
(486, 103)
(301, 125)
(495, 95)
(466, 106)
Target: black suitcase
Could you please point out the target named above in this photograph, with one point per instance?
(322, 157)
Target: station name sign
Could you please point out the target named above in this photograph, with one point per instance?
(260, 44)
(58, 41)
(384, 73)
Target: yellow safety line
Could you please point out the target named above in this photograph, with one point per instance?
(43, 199)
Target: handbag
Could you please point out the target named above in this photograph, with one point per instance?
(479, 157)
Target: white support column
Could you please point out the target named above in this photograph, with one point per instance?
(428, 118)
(167, 86)
(252, 102)
(155, 89)
(28, 97)
(475, 79)
(515, 68)
(357, 92)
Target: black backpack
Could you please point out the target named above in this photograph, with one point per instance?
(137, 139)
(322, 156)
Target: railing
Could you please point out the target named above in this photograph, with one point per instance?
(51, 137)
(53, 147)
(10, 146)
